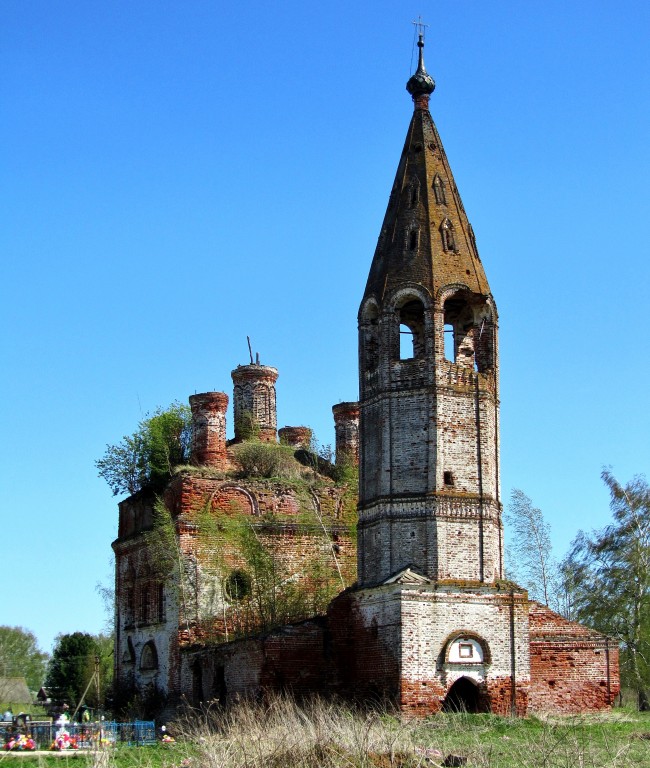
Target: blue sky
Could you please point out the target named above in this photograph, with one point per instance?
(178, 175)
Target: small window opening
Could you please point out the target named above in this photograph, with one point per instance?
(238, 585)
(413, 239)
(415, 195)
(448, 478)
(465, 650)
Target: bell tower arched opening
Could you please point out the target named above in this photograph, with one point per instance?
(411, 328)
(469, 334)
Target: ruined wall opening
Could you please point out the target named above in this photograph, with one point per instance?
(469, 331)
(411, 330)
(459, 317)
(463, 696)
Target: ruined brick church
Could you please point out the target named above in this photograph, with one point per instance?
(429, 622)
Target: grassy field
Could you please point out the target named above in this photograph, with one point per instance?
(324, 735)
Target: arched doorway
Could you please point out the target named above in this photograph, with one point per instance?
(463, 696)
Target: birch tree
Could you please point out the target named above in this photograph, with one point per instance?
(529, 554)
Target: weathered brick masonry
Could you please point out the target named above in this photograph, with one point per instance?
(572, 667)
(301, 522)
(430, 623)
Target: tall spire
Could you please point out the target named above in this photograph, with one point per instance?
(421, 85)
(426, 237)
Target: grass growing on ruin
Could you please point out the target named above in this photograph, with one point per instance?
(283, 734)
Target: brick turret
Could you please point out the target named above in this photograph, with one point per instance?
(346, 428)
(209, 428)
(254, 402)
(296, 437)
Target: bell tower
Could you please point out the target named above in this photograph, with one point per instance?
(431, 621)
(428, 378)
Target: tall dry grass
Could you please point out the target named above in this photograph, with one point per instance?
(282, 733)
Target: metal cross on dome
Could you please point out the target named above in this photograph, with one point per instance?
(421, 26)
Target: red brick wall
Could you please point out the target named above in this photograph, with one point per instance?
(572, 668)
(364, 663)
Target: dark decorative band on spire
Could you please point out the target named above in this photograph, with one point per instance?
(421, 85)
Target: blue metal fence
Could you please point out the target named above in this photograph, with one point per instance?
(87, 735)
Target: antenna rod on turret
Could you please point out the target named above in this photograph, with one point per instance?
(250, 349)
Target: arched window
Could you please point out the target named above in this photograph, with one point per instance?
(439, 190)
(459, 325)
(411, 330)
(149, 656)
(468, 320)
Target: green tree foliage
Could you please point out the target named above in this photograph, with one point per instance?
(20, 656)
(239, 579)
(271, 592)
(149, 455)
(529, 555)
(611, 580)
(73, 665)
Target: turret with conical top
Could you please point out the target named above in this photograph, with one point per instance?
(429, 485)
